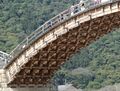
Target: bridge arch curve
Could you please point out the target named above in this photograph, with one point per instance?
(36, 63)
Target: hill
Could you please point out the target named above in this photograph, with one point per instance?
(18, 18)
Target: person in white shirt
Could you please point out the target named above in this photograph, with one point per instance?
(82, 5)
(72, 9)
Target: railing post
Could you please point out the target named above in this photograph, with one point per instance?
(27, 40)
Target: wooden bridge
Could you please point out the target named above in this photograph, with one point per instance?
(39, 56)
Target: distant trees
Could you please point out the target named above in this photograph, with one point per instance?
(18, 18)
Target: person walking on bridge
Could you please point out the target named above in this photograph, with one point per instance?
(72, 9)
(82, 5)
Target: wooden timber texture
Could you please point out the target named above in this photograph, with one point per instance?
(43, 65)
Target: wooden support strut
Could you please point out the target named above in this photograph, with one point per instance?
(55, 53)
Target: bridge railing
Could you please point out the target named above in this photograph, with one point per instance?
(72, 11)
(3, 58)
(16, 65)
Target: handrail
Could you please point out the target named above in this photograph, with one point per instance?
(4, 57)
(70, 12)
(4, 53)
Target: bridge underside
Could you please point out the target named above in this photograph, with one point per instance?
(41, 67)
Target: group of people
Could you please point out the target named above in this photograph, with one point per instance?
(81, 7)
(82, 4)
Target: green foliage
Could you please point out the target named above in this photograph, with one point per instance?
(18, 18)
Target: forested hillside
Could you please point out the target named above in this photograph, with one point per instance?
(18, 18)
(93, 67)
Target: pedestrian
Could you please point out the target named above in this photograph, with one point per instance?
(72, 9)
(82, 5)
